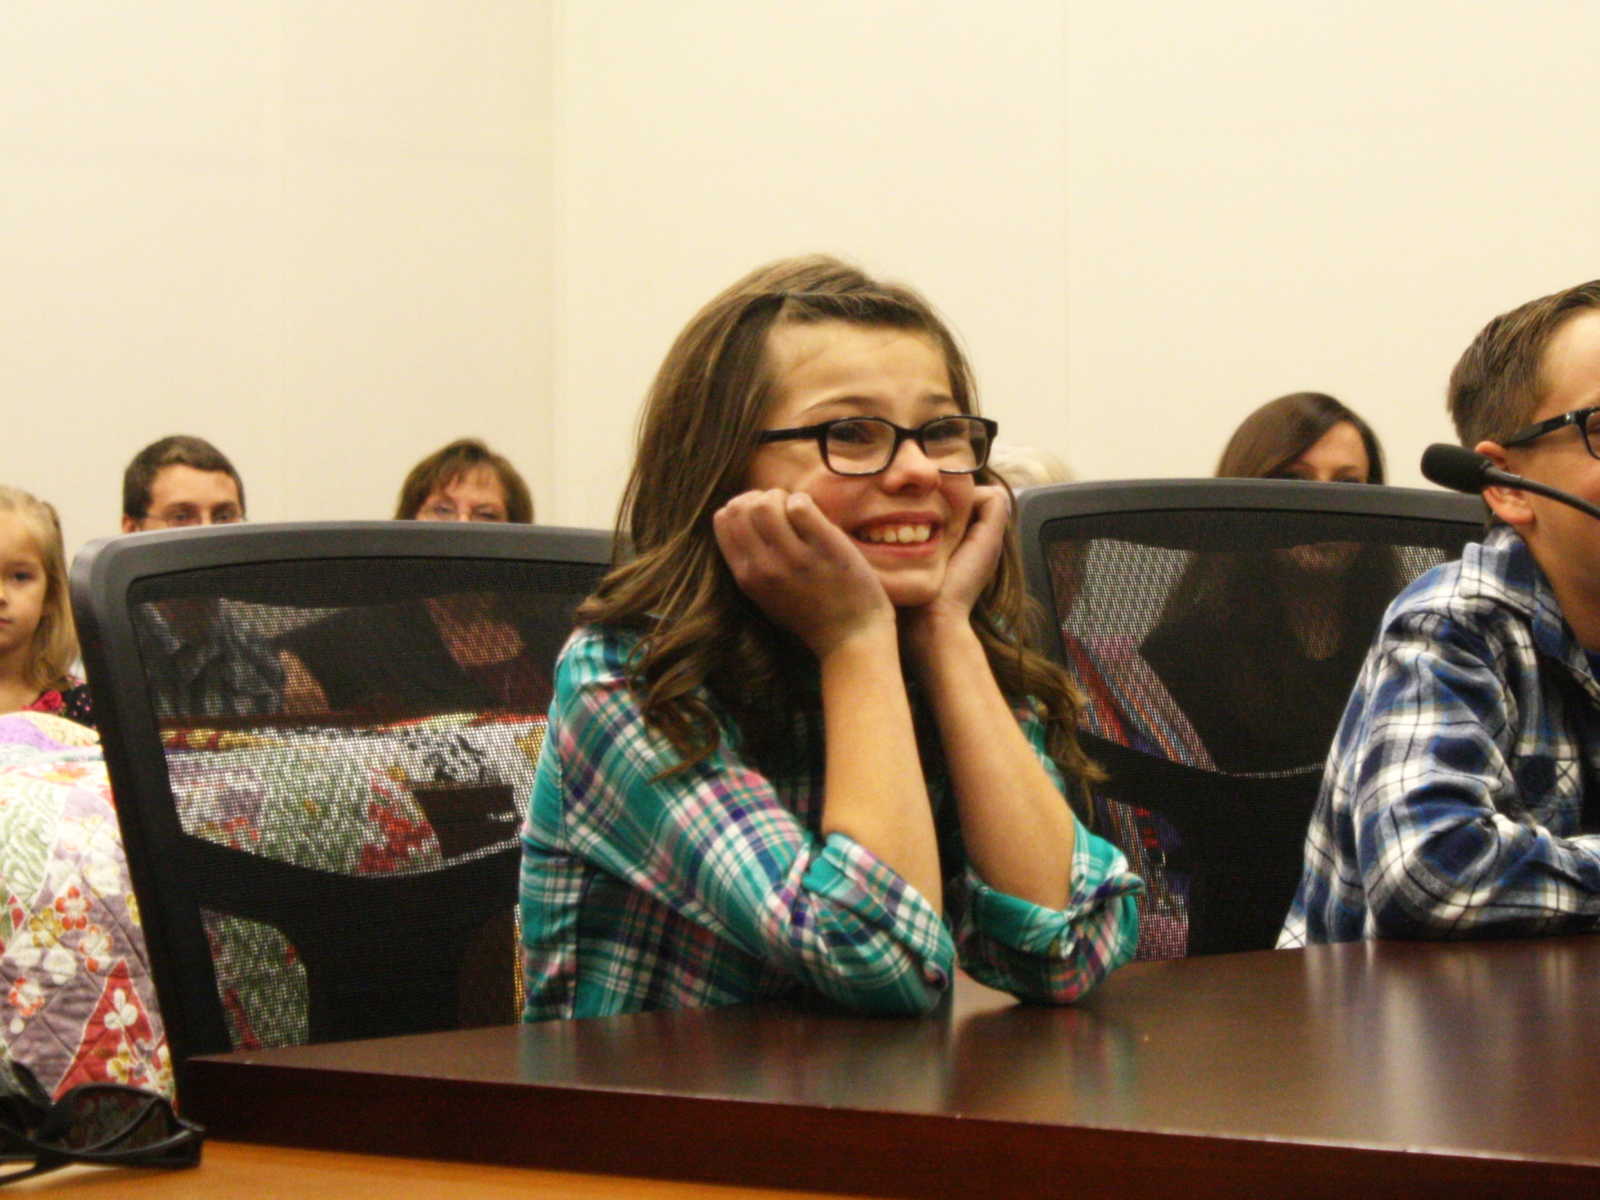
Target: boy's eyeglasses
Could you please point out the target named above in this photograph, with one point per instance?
(957, 445)
(1586, 419)
(105, 1123)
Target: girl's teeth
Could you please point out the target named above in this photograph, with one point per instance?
(899, 534)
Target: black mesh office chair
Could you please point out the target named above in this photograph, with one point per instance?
(1215, 628)
(321, 738)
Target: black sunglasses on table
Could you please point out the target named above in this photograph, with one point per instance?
(108, 1124)
(957, 445)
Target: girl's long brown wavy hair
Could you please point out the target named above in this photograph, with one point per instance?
(697, 435)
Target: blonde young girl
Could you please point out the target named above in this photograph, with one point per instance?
(37, 640)
(796, 747)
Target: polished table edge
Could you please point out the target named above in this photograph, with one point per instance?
(250, 1171)
(870, 1153)
(301, 1096)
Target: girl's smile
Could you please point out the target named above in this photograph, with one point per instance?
(908, 518)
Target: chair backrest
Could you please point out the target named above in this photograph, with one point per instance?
(320, 739)
(1215, 628)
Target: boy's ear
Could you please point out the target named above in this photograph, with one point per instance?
(1509, 504)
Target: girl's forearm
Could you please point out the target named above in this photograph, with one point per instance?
(1016, 825)
(874, 791)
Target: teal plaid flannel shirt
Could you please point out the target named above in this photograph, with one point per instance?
(713, 886)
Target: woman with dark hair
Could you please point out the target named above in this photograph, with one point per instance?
(1304, 435)
(1260, 649)
(797, 748)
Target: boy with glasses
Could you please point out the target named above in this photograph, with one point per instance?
(1462, 795)
(203, 663)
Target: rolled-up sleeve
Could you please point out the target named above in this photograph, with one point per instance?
(1051, 955)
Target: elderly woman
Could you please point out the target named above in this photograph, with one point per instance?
(457, 652)
(464, 481)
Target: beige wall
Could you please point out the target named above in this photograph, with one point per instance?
(318, 234)
(1266, 197)
(331, 236)
(702, 137)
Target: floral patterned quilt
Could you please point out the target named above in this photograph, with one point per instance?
(76, 1001)
(351, 801)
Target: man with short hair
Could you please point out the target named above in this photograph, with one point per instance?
(180, 481)
(203, 663)
(1461, 795)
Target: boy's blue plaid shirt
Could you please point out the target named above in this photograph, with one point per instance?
(1453, 801)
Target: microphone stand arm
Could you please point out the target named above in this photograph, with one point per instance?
(1498, 478)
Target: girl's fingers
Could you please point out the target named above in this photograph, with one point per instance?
(816, 530)
(756, 537)
(769, 521)
(801, 570)
(990, 505)
(731, 538)
(973, 563)
(991, 512)
(777, 535)
(788, 523)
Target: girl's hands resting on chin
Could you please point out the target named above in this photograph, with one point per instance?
(970, 568)
(802, 570)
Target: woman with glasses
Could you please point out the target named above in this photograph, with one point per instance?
(467, 651)
(465, 481)
(796, 748)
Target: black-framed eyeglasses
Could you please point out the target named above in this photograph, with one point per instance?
(1586, 419)
(957, 444)
(109, 1124)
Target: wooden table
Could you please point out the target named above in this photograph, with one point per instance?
(240, 1171)
(1436, 1069)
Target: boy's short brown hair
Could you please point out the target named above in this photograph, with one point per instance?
(176, 450)
(1498, 382)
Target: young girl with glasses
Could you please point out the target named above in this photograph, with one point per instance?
(797, 748)
(38, 642)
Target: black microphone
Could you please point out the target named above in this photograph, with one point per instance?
(1461, 470)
